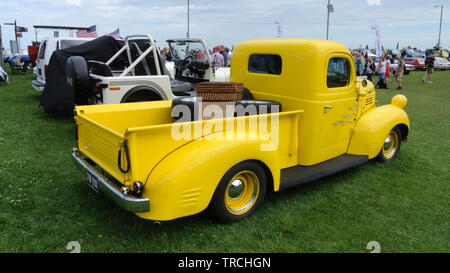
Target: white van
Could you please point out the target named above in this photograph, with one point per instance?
(46, 49)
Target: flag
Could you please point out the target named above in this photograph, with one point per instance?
(376, 30)
(115, 34)
(91, 32)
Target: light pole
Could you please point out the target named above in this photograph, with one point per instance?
(187, 34)
(330, 9)
(15, 33)
(440, 25)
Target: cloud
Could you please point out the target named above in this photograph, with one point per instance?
(374, 2)
(219, 22)
(73, 2)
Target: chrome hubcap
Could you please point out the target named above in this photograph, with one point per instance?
(235, 189)
(390, 145)
(387, 143)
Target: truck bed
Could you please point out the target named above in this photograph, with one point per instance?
(139, 135)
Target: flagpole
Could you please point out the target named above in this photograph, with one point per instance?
(440, 25)
(328, 17)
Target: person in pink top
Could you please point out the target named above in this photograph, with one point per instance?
(201, 55)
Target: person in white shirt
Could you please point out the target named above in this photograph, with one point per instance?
(381, 70)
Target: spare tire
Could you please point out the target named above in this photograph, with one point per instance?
(185, 109)
(77, 76)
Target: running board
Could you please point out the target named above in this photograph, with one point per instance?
(297, 175)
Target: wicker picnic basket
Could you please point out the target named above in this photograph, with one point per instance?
(220, 91)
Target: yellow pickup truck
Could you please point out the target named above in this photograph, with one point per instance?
(324, 121)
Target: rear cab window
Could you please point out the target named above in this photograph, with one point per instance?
(70, 43)
(338, 72)
(265, 64)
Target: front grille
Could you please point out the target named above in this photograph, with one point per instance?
(369, 101)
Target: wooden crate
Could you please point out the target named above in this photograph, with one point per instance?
(220, 91)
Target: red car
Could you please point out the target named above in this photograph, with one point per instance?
(418, 63)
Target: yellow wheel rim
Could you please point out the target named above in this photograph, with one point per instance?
(390, 145)
(242, 192)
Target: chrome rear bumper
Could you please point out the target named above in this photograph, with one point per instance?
(127, 202)
(38, 86)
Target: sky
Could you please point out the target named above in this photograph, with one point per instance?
(228, 22)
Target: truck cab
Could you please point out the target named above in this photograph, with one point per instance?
(327, 121)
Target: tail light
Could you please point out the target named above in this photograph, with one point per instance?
(46, 70)
(76, 125)
(96, 88)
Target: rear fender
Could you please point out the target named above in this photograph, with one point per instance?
(184, 182)
(373, 127)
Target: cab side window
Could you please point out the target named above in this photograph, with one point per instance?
(338, 72)
(265, 64)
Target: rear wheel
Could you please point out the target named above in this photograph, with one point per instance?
(241, 191)
(143, 96)
(391, 146)
(141, 93)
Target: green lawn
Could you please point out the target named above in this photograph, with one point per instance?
(404, 205)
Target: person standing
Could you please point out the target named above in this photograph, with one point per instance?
(358, 64)
(370, 68)
(165, 54)
(429, 62)
(217, 58)
(362, 61)
(224, 55)
(381, 70)
(388, 70)
(399, 72)
(228, 51)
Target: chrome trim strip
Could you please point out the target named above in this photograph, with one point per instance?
(129, 203)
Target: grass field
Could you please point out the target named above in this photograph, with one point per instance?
(404, 205)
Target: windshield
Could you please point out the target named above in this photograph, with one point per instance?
(183, 50)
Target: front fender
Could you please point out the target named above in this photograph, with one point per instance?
(184, 182)
(373, 127)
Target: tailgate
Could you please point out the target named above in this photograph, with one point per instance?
(100, 144)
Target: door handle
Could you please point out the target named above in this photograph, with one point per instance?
(326, 108)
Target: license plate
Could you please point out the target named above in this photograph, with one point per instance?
(92, 181)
